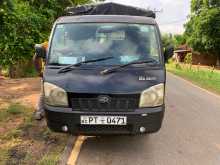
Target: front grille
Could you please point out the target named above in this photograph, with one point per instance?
(117, 103)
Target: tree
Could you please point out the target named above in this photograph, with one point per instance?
(24, 23)
(198, 5)
(203, 29)
(179, 39)
(167, 40)
(174, 40)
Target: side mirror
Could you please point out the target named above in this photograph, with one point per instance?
(168, 53)
(40, 51)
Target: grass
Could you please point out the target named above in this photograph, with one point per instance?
(203, 77)
(11, 111)
(26, 141)
(50, 159)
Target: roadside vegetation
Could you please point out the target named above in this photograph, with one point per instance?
(207, 78)
(25, 23)
(26, 141)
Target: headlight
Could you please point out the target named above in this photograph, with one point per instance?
(152, 97)
(54, 95)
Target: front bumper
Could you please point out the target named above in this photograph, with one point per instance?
(150, 118)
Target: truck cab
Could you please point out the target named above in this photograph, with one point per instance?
(105, 74)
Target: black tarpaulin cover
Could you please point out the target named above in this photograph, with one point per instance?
(108, 9)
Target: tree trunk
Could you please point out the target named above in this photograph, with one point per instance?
(218, 61)
(20, 69)
(0, 70)
(12, 71)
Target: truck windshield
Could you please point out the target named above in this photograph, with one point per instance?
(77, 42)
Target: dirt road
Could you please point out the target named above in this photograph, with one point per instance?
(24, 140)
(23, 91)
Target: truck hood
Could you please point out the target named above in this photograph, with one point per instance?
(132, 80)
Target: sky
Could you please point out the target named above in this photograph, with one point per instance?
(173, 13)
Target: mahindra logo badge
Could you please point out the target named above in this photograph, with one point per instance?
(104, 99)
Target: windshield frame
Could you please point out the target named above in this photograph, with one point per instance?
(156, 31)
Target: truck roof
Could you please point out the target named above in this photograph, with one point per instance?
(106, 19)
(109, 8)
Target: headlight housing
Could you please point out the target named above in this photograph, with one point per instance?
(54, 95)
(152, 97)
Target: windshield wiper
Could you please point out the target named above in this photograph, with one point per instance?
(113, 69)
(71, 67)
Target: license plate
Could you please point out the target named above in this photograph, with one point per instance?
(103, 120)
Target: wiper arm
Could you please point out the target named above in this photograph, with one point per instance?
(71, 67)
(113, 69)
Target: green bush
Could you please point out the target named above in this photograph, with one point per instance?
(25, 23)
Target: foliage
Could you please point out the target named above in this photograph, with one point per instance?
(199, 5)
(167, 40)
(21, 29)
(178, 40)
(203, 29)
(175, 40)
(26, 22)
